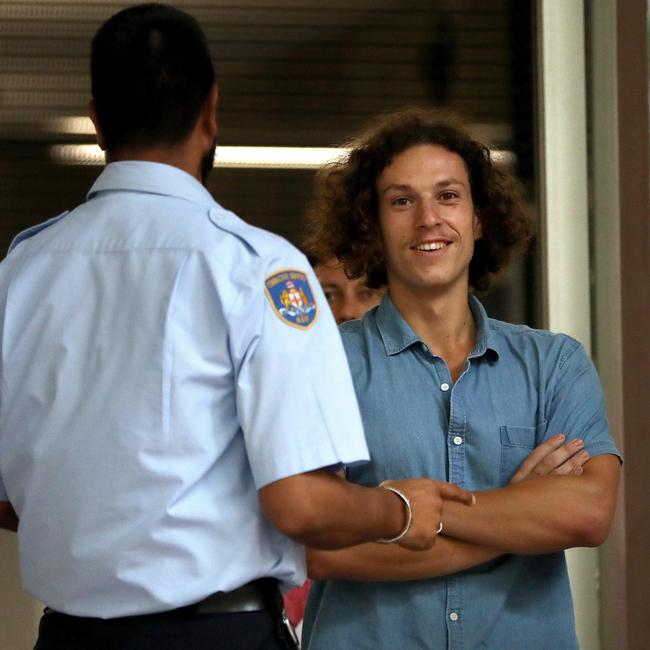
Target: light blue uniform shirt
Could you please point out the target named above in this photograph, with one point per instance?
(519, 387)
(150, 386)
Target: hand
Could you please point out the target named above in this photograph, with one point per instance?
(427, 498)
(553, 457)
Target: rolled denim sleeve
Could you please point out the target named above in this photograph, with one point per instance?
(577, 404)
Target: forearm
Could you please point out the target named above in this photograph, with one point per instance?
(8, 517)
(541, 515)
(389, 562)
(328, 512)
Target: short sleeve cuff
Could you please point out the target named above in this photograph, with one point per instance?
(602, 448)
(299, 460)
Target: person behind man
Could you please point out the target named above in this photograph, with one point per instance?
(174, 397)
(447, 392)
(348, 298)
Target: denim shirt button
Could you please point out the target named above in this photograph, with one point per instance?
(458, 440)
(444, 386)
(453, 616)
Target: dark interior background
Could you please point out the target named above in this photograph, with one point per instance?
(291, 72)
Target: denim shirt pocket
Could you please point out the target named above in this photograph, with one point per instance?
(516, 444)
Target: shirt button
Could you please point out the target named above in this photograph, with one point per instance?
(453, 616)
(458, 441)
(444, 386)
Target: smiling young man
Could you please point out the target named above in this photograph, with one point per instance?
(449, 393)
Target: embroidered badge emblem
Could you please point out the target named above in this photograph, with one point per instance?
(291, 298)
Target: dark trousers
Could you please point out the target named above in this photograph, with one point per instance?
(182, 629)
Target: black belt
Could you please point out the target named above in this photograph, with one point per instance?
(259, 595)
(255, 596)
(252, 597)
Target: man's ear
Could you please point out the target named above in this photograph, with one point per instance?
(209, 113)
(92, 114)
(478, 229)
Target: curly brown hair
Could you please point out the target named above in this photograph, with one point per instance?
(343, 219)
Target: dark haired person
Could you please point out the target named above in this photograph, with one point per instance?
(171, 395)
(447, 392)
(348, 298)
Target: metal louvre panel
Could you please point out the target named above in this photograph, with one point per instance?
(296, 72)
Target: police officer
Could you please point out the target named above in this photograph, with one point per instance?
(175, 398)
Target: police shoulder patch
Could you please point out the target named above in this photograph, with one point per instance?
(291, 297)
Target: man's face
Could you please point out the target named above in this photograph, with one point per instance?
(348, 299)
(427, 220)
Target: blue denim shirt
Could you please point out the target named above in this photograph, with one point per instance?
(519, 387)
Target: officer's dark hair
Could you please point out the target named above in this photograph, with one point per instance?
(151, 73)
(344, 215)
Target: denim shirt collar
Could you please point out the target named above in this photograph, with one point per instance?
(153, 178)
(397, 334)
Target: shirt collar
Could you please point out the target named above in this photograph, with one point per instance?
(486, 338)
(152, 178)
(397, 334)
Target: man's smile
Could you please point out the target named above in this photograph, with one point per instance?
(431, 246)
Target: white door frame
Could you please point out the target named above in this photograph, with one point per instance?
(564, 227)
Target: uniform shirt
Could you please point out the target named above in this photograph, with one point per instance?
(155, 375)
(519, 387)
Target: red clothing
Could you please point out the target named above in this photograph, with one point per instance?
(295, 601)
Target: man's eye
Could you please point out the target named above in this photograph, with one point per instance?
(401, 201)
(330, 296)
(368, 294)
(448, 196)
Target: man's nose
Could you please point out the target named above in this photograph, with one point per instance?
(348, 309)
(428, 214)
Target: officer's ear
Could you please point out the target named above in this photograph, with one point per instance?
(208, 116)
(92, 114)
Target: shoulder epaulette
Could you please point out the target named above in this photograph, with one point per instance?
(33, 230)
(258, 240)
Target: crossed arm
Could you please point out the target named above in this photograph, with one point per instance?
(556, 500)
(542, 514)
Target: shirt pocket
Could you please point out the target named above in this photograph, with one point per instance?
(516, 444)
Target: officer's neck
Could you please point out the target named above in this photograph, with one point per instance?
(184, 156)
